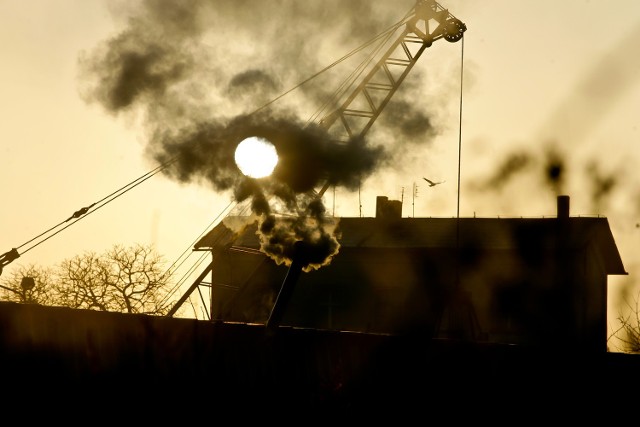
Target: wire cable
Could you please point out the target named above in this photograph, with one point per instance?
(386, 33)
(348, 82)
(86, 211)
(345, 57)
(179, 262)
(459, 166)
(460, 124)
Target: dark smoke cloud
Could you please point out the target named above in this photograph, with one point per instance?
(130, 72)
(200, 71)
(570, 125)
(315, 230)
(254, 84)
(602, 184)
(550, 165)
(307, 159)
(555, 167)
(512, 165)
(408, 123)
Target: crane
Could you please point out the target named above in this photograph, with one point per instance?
(426, 22)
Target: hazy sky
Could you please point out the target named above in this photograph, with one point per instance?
(545, 83)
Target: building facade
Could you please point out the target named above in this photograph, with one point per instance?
(534, 281)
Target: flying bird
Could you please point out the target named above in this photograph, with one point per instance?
(431, 183)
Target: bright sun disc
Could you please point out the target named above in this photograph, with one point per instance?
(256, 157)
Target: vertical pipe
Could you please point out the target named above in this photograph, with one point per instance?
(288, 285)
(563, 206)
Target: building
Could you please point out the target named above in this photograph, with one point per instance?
(413, 315)
(528, 281)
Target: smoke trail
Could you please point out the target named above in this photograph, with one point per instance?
(569, 125)
(307, 159)
(196, 70)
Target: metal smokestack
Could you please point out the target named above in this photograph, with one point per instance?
(298, 261)
(563, 207)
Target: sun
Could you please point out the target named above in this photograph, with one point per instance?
(256, 157)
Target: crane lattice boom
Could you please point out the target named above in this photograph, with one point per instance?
(427, 22)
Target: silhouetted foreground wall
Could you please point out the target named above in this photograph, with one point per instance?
(84, 356)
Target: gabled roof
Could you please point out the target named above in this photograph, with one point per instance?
(446, 233)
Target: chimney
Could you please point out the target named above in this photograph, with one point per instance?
(298, 261)
(563, 207)
(388, 209)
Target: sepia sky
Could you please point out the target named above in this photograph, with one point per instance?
(544, 83)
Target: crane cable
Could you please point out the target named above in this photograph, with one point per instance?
(184, 256)
(171, 270)
(336, 95)
(348, 82)
(13, 254)
(78, 215)
(460, 140)
(345, 57)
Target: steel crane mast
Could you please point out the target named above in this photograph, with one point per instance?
(427, 22)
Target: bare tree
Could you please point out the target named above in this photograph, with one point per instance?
(28, 284)
(122, 279)
(628, 333)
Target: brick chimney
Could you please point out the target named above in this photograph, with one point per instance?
(388, 209)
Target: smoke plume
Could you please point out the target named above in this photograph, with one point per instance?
(200, 73)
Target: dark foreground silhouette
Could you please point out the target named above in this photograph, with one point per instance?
(79, 358)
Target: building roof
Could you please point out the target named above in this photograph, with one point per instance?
(447, 233)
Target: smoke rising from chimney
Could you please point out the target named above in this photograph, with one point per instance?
(196, 71)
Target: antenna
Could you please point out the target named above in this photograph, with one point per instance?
(359, 201)
(334, 200)
(414, 194)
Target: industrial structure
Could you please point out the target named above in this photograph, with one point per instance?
(353, 113)
(534, 281)
(408, 306)
(413, 312)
